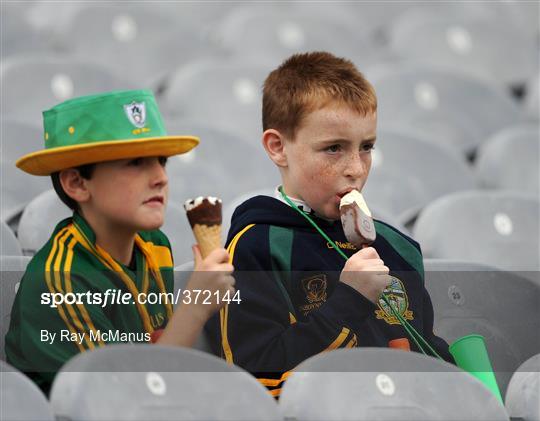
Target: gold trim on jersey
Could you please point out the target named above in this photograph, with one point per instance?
(224, 312)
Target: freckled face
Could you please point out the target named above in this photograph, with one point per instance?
(329, 156)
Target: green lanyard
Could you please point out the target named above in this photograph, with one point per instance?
(411, 331)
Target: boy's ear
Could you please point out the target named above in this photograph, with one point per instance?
(274, 144)
(74, 185)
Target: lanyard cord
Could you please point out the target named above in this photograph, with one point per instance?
(415, 336)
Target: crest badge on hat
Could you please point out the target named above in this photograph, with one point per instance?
(136, 113)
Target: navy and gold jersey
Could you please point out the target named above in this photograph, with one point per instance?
(293, 305)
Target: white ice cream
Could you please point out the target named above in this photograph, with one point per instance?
(355, 196)
(193, 203)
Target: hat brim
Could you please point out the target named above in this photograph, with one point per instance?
(48, 161)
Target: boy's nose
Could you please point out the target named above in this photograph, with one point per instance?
(159, 173)
(356, 167)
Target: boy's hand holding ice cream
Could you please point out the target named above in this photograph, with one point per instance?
(364, 271)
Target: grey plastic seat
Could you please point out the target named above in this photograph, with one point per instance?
(226, 95)
(19, 35)
(141, 42)
(479, 46)
(511, 160)
(39, 219)
(182, 273)
(501, 306)
(34, 83)
(278, 31)
(179, 232)
(149, 382)
(9, 245)
(523, 394)
(222, 165)
(533, 98)
(18, 189)
(415, 93)
(18, 139)
(496, 228)
(397, 153)
(21, 398)
(11, 269)
(384, 384)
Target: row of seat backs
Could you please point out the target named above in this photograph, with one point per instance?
(145, 382)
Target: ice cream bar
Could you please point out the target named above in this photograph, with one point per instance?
(204, 215)
(356, 219)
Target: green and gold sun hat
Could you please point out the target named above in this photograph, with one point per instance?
(103, 127)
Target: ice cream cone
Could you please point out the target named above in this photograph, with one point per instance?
(208, 237)
(204, 215)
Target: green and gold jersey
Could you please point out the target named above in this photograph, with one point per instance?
(75, 297)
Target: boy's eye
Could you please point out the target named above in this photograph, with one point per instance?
(368, 147)
(135, 162)
(333, 148)
(163, 160)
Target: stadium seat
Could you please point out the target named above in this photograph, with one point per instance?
(384, 384)
(532, 99)
(9, 245)
(501, 306)
(220, 94)
(496, 228)
(18, 139)
(38, 220)
(179, 232)
(21, 398)
(510, 160)
(415, 93)
(142, 42)
(481, 47)
(11, 269)
(222, 165)
(34, 83)
(18, 34)
(405, 153)
(274, 32)
(523, 394)
(18, 189)
(149, 382)
(182, 274)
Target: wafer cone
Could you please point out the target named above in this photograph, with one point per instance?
(208, 237)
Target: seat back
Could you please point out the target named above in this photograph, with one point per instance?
(495, 228)
(384, 384)
(21, 398)
(501, 306)
(11, 271)
(523, 393)
(151, 382)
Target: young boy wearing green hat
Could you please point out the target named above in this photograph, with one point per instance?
(92, 281)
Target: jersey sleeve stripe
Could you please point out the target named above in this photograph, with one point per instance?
(59, 274)
(50, 285)
(224, 312)
(339, 340)
(80, 307)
